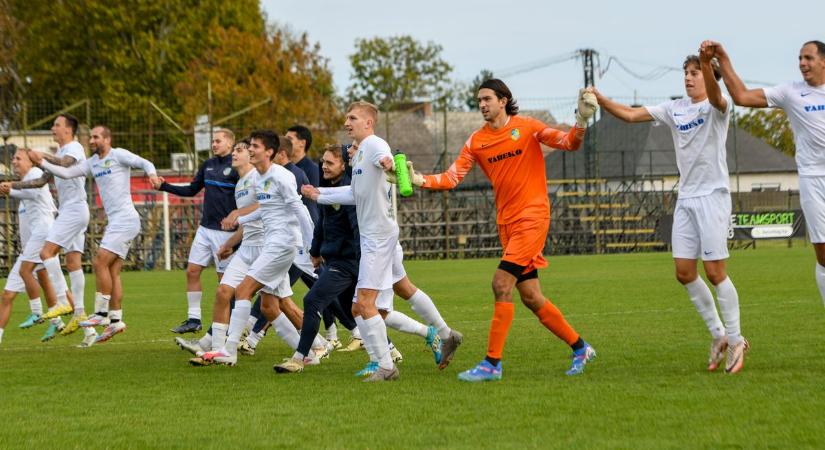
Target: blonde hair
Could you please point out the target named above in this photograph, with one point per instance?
(227, 133)
(370, 109)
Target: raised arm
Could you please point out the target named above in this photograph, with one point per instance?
(714, 92)
(75, 171)
(741, 95)
(33, 184)
(623, 112)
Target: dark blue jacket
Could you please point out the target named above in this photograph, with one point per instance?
(337, 235)
(219, 178)
(302, 179)
(313, 171)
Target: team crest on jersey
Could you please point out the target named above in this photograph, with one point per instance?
(227, 171)
(107, 163)
(336, 206)
(515, 134)
(267, 184)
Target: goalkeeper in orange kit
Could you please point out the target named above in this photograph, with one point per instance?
(507, 148)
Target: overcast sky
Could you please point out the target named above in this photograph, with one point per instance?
(763, 38)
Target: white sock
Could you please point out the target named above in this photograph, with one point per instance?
(332, 333)
(218, 337)
(36, 306)
(423, 305)
(236, 323)
(206, 341)
(362, 331)
(701, 297)
(729, 304)
(250, 323)
(254, 338)
(319, 341)
(52, 266)
(194, 299)
(405, 324)
(116, 314)
(377, 336)
(102, 303)
(78, 280)
(286, 331)
(820, 280)
(1, 335)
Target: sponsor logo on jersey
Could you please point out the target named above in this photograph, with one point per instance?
(814, 108)
(690, 125)
(515, 134)
(357, 172)
(502, 156)
(242, 193)
(804, 94)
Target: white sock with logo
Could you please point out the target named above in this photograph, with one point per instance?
(423, 305)
(702, 298)
(78, 279)
(36, 306)
(405, 324)
(729, 304)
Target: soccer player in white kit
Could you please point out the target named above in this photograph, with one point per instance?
(287, 227)
(699, 125)
(379, 267)
(35, 216)
(110, 167)
(69, 230)
(804, 104)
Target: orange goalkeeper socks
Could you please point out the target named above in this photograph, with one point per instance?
(503, 313)
(553, 320)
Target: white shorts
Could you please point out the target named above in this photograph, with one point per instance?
(381, 264)
(117, 238)
(239, 265)
(31, 251)
(205, 248)
(700, 227)
(303, 262)
(271, 269)
(69, 229)
(384, 301)
(14, 282)
(812, 199)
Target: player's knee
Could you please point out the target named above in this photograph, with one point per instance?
(193, 271)
(404, 288)
(716, 276)
(356, 310)
(502, 289)
(685, 276)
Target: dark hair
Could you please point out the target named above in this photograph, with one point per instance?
(268, 138)
(107, 133)
(820, 47)
(694, 60)
(71, 121)
(303, 134)
(245, 141)
(502, 91)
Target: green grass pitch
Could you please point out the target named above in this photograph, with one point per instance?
(648, 388)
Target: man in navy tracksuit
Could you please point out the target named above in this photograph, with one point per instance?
(336, 245)
(219, 178)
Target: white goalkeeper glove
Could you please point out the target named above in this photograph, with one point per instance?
(587, 107)
(416, 178)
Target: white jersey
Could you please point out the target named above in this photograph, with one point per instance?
(373, 204)
(113, 178)
(279, 210)
(71, 193)
(699, 133)
(253, 232)
(805, 107)
(36, 208)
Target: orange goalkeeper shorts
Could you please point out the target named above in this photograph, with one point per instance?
(523, 242)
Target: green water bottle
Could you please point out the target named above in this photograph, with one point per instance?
(402, 174)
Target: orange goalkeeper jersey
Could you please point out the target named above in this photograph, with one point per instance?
(511, 158)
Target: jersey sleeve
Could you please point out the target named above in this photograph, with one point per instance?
(288, 191)
(455, 173)
(134, 161)
(341, 195)
(76, 152)
(661, 113)
(379, 150)
(73, 171)
(776, 95)
(189, 190)
(563, 140)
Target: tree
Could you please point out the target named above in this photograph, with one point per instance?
(120, 51)
(246, 68)
(390, 71)
(10, 82)
(770, 125)
(471, 96)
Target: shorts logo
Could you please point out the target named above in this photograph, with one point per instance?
(515, 134)
(227, 171)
